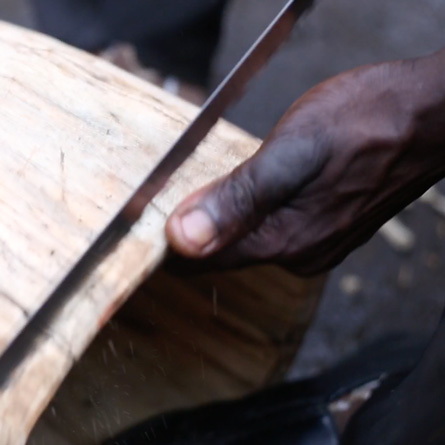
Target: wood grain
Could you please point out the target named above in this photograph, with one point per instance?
(181, 342)
(78, 135)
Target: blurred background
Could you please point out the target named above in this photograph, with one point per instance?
(380, 288)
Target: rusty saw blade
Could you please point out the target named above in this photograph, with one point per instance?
(231, 89)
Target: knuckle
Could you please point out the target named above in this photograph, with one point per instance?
(240, 194)
(275, 238)
(232, 205)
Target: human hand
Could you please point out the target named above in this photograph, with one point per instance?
(346, 157)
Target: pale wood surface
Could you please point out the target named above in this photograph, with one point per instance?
(77, 136)
(179, 342)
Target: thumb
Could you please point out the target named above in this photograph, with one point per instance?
(229, 208)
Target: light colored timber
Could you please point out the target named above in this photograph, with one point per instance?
(77, 136)
(180, 342)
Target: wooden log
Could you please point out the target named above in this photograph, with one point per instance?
(174, 345)
(78, 135)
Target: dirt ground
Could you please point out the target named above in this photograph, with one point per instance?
(395, 292)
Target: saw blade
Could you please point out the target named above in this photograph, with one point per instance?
(231, 89)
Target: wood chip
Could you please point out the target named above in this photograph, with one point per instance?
(351, 285)
(397, 235)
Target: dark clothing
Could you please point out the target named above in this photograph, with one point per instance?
(293, 413)
(172, 38)
(410, 411)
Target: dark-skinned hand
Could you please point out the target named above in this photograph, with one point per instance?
(346, 157)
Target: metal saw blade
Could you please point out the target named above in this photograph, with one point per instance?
(231, 89)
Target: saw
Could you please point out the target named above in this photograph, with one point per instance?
(231, 89)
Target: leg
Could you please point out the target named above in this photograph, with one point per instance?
(410, 413)
(77, 22)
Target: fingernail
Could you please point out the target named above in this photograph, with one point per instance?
(198, 228)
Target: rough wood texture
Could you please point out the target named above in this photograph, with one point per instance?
(77, 136)
(179, 342)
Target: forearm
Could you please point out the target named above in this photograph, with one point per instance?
(423, 84)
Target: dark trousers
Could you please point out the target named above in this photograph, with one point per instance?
(177, 37)
(412, 412)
